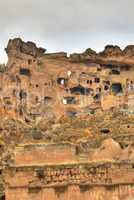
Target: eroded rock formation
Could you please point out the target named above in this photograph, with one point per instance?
(66, 128)
(16, 46)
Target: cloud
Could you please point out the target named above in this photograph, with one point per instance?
(68, 25)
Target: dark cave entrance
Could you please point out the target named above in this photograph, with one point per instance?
(115, 72)
(116, 88)
(80, 90)
(25, 72)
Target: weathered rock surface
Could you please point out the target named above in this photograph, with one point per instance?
(66, 128)
(129, 51)
(109, 149)
(111, 50)
(16, 46)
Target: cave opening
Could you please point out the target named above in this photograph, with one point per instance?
(71, 114)
(29, 61)
(97, 80)
(80, 90)
(23, 94)
(116, 88)
(62, 81)
(70, 100)
(48, 100)
(25, 71)
(40, 173)
(105, 131)
(106, 87)
(89, 82)
(97, 97)
(115, 72)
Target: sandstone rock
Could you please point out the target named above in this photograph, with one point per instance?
(36, 134)
(128, 153)
(75, 57)
(108, 150)
(17, 46)
(90, 52)
(56, 55)
(111, 50)
(129, 51)
(84, 123)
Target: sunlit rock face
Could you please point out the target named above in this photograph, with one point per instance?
(17, 46)
(111, 50)
(129, 51)
(66, 124)
(75, 192)
(48, 80)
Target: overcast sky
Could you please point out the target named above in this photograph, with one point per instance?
(67, 25)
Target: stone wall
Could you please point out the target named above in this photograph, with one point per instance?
(75, 193)
(45, 154)
(97, 181)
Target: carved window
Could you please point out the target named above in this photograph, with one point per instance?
(117, 88)
(48, 100)
(115, 72)
(25, 72)
(99, 69)
(97, 97)
(40, 173)
(29, 61)
(106, 87)
(80, 90)
(105, 131)
(62, 81)
(23, 94)
(97, 80)
(70, 100)
(71, 113)
(89, 82)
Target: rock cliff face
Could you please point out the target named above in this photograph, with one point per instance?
(17, 46)
(112, 51)
(66, 128)
(111, 55)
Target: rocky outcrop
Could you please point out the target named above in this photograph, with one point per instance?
(128, 153)
(56, 55)
(129, 51)
(16, 46)
(89, 51)
(108, 150)
(85, 100)
(111, 50)
(112, 55)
